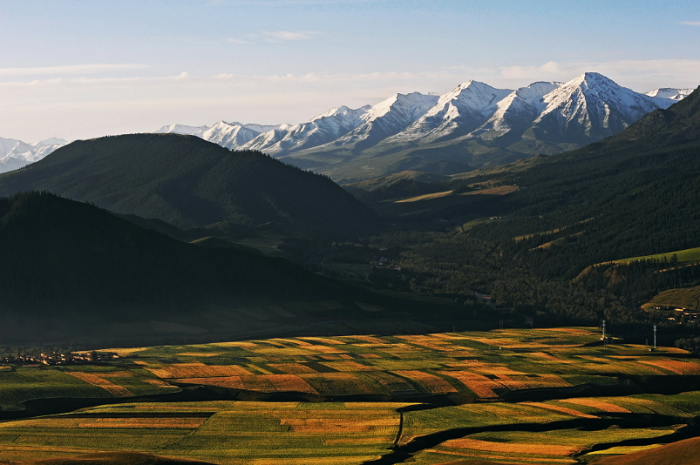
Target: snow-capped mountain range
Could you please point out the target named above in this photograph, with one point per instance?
(544, 117)
(15, 154)
(472, 125)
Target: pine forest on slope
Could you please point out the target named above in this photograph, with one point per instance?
(73, 272)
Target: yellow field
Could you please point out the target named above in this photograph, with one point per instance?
(196, 370)
(538, 449)
(435, 195)
(115, 390)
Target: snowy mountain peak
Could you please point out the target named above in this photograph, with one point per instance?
(537, 90)
(50, 141)
(473, 114)
(519, 109)
(15, 154)
(182, 129)
(670, 93)
(230, 135)
(472, 95)
(342, 111)
(457, 112)
(590, 79)
(224, 124)
(591, 106)
(414, 103)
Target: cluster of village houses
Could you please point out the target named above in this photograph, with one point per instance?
(74, 358)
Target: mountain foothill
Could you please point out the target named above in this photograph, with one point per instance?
(189, 182)
(74, 272)
(74, 265)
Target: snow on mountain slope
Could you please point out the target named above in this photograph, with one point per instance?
(385, 119)
(544, 117)
(457, 112)
(182, 129)
(266, 127)
(229, 135)
(518, 110)
(589, 107)
(15, 154)
(667, 96)
(667, 92)
(321, 129)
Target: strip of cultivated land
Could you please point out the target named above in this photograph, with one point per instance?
(506, 396)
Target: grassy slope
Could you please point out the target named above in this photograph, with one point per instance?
(113, 458)
(683, 452)
(682, 256)
(683, 298)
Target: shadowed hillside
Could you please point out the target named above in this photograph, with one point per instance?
(189, 182)
(70, 270)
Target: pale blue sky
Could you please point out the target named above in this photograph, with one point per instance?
(79, 68)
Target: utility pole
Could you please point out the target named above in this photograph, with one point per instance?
(654, 337)
(603, 330)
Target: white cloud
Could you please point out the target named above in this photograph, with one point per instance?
(70, 69)
(289, 35)
(640, 75)
(273, 37)
(690, 23)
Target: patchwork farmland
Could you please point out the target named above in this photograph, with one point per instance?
(505, 396)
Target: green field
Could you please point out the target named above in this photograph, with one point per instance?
(456, 367)
(682, 298)
(497, 396)
(222, 432)
(682, 256)
(354, 432)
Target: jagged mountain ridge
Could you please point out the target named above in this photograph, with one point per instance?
(321, 129)
(589, 108)
(669, 93)
(474, 124)
(15, 154)
(460, 111)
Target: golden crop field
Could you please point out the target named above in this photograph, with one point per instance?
(479, 365)
(439, 398)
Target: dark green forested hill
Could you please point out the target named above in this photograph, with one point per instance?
(632, 194)
(190, 182)
(70, 270)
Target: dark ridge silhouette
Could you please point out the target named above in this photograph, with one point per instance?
(189, 182)
(70, 270)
